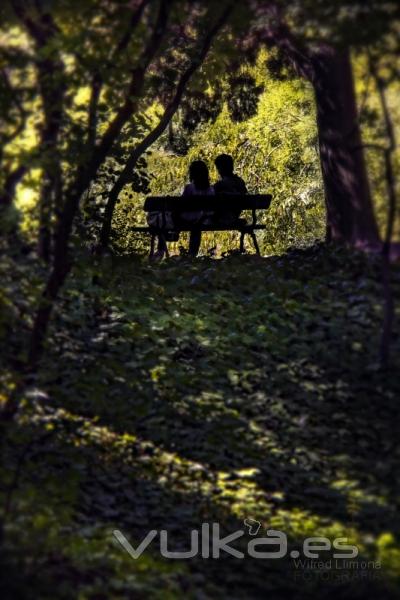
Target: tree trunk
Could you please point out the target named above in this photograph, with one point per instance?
(12, 180)
(350, 215)
(50, 75)
(61, 262)
(389, 307)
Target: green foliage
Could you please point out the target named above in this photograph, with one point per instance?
(271, 134)
(275, 150)
(95, 200)
(196, 391)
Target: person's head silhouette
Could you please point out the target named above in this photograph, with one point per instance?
(198, 175)
(224, 164)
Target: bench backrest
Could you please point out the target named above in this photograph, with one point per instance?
(217, 202)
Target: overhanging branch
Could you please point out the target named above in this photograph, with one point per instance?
(169, 112)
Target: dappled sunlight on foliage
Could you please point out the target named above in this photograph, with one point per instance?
(248, 394)
(275, 151)
(191, 392)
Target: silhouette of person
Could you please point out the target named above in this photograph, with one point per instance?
(199, 186)
(228, 184)
(199, 180)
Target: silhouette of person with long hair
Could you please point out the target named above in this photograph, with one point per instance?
(199, 186)
(199, 180)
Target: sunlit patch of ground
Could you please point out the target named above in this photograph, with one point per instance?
(208, 391)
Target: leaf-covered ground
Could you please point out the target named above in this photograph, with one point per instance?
(202, 391)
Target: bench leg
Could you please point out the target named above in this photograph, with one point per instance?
(162, 248)
(241, 249)
(152, 244)
(194, 243)
(164, 244)
(253, 237)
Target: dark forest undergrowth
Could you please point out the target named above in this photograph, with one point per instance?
(202, 391)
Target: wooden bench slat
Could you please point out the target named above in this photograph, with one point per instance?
(201, 228)
(218, 202)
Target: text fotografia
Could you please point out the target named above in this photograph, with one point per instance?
(208, 543)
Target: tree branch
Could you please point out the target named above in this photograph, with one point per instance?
(134, 89)
(7, 138)
(169, 112)
(391, 191)
(11, 182)
(98, 79)
(125, 39)
(85, 173)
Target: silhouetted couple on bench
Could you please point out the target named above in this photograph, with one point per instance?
(228, 184)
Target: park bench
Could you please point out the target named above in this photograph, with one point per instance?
(183, 204)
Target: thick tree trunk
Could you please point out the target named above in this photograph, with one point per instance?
(350, 215)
